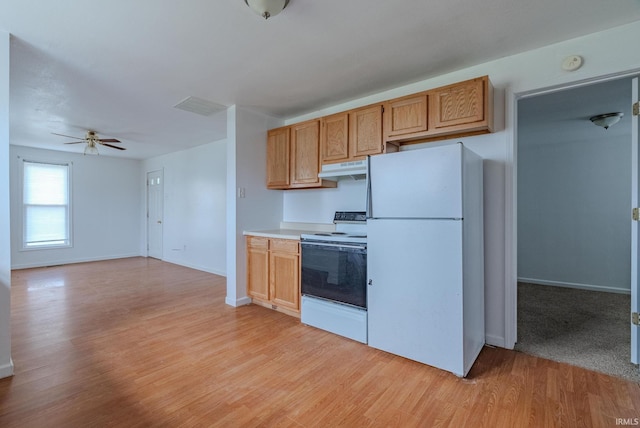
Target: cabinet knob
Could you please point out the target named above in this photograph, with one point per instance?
(370, 282)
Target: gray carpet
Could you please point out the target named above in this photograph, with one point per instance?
(589, 329)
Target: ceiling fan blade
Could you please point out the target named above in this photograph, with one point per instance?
(113, 147)
(109, 140)
(76, 142)
(68, 136)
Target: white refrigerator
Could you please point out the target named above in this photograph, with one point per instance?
(425, 256)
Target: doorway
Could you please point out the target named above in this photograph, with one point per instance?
(155, 192)
(573, 226)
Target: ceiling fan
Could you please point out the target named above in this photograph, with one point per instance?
(91, 139)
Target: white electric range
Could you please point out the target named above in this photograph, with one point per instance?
(334, 275)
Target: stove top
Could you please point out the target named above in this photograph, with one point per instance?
(335, 237)
(351, 226)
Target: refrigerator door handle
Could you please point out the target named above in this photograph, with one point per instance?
(369, 208)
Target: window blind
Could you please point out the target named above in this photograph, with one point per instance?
(45, 204)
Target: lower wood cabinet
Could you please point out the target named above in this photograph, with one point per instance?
(273, 273)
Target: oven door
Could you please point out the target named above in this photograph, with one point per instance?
(335, 271)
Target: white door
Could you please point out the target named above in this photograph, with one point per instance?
(414, 296)
(155, 194)
(635, 238)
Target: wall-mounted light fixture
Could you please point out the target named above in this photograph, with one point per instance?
(267, 8)
(606, 120)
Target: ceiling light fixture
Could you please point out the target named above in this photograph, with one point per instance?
(267, 8)
(606, 120)
(91, 148)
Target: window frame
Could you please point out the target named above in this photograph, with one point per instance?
(69, 211)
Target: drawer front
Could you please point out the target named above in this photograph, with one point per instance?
(284, 245)
(258, 242)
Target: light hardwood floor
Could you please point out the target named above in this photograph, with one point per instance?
(142, 343)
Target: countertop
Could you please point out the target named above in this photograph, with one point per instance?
(278, 233)
(291, 230)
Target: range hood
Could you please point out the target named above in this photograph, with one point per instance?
(357, 170)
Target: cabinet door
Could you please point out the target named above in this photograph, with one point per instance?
(278, 152)
(365, 128)
(305, 153)
(284, 275)
(334, 142)
(405, 115)
(458, 105)
(257, 267)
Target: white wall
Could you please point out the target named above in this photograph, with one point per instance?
(319, 205)
(105, 209)
(6, 365)
(194, 218)
(260, 208)
(573, 212)
(516, 74)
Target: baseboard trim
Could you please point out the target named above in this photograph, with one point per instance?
(196, 267)
(6, 370)
(73, 261)
(494, 340)
(238, 302)
(589, 287)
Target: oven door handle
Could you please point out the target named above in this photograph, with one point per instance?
(323, 244)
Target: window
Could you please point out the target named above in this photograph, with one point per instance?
(46, 205)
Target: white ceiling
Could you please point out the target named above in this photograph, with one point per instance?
(119, 66)
(563, 116)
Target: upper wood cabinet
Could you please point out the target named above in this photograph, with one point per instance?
(278, 163)
(352, 135)
(305, 156)
(405, 115)
(365, 131)
(457, 110)
(462, 107)
(293, 157)
(334, 139)
(305, 153)
(295, 153)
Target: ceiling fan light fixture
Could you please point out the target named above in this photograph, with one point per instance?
(267, 8)
(606, 120)
(91, 149)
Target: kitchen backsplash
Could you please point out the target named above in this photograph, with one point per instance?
(319, 205)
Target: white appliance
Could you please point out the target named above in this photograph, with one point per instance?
(334, 277)
(425, 260)
(356, 170)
